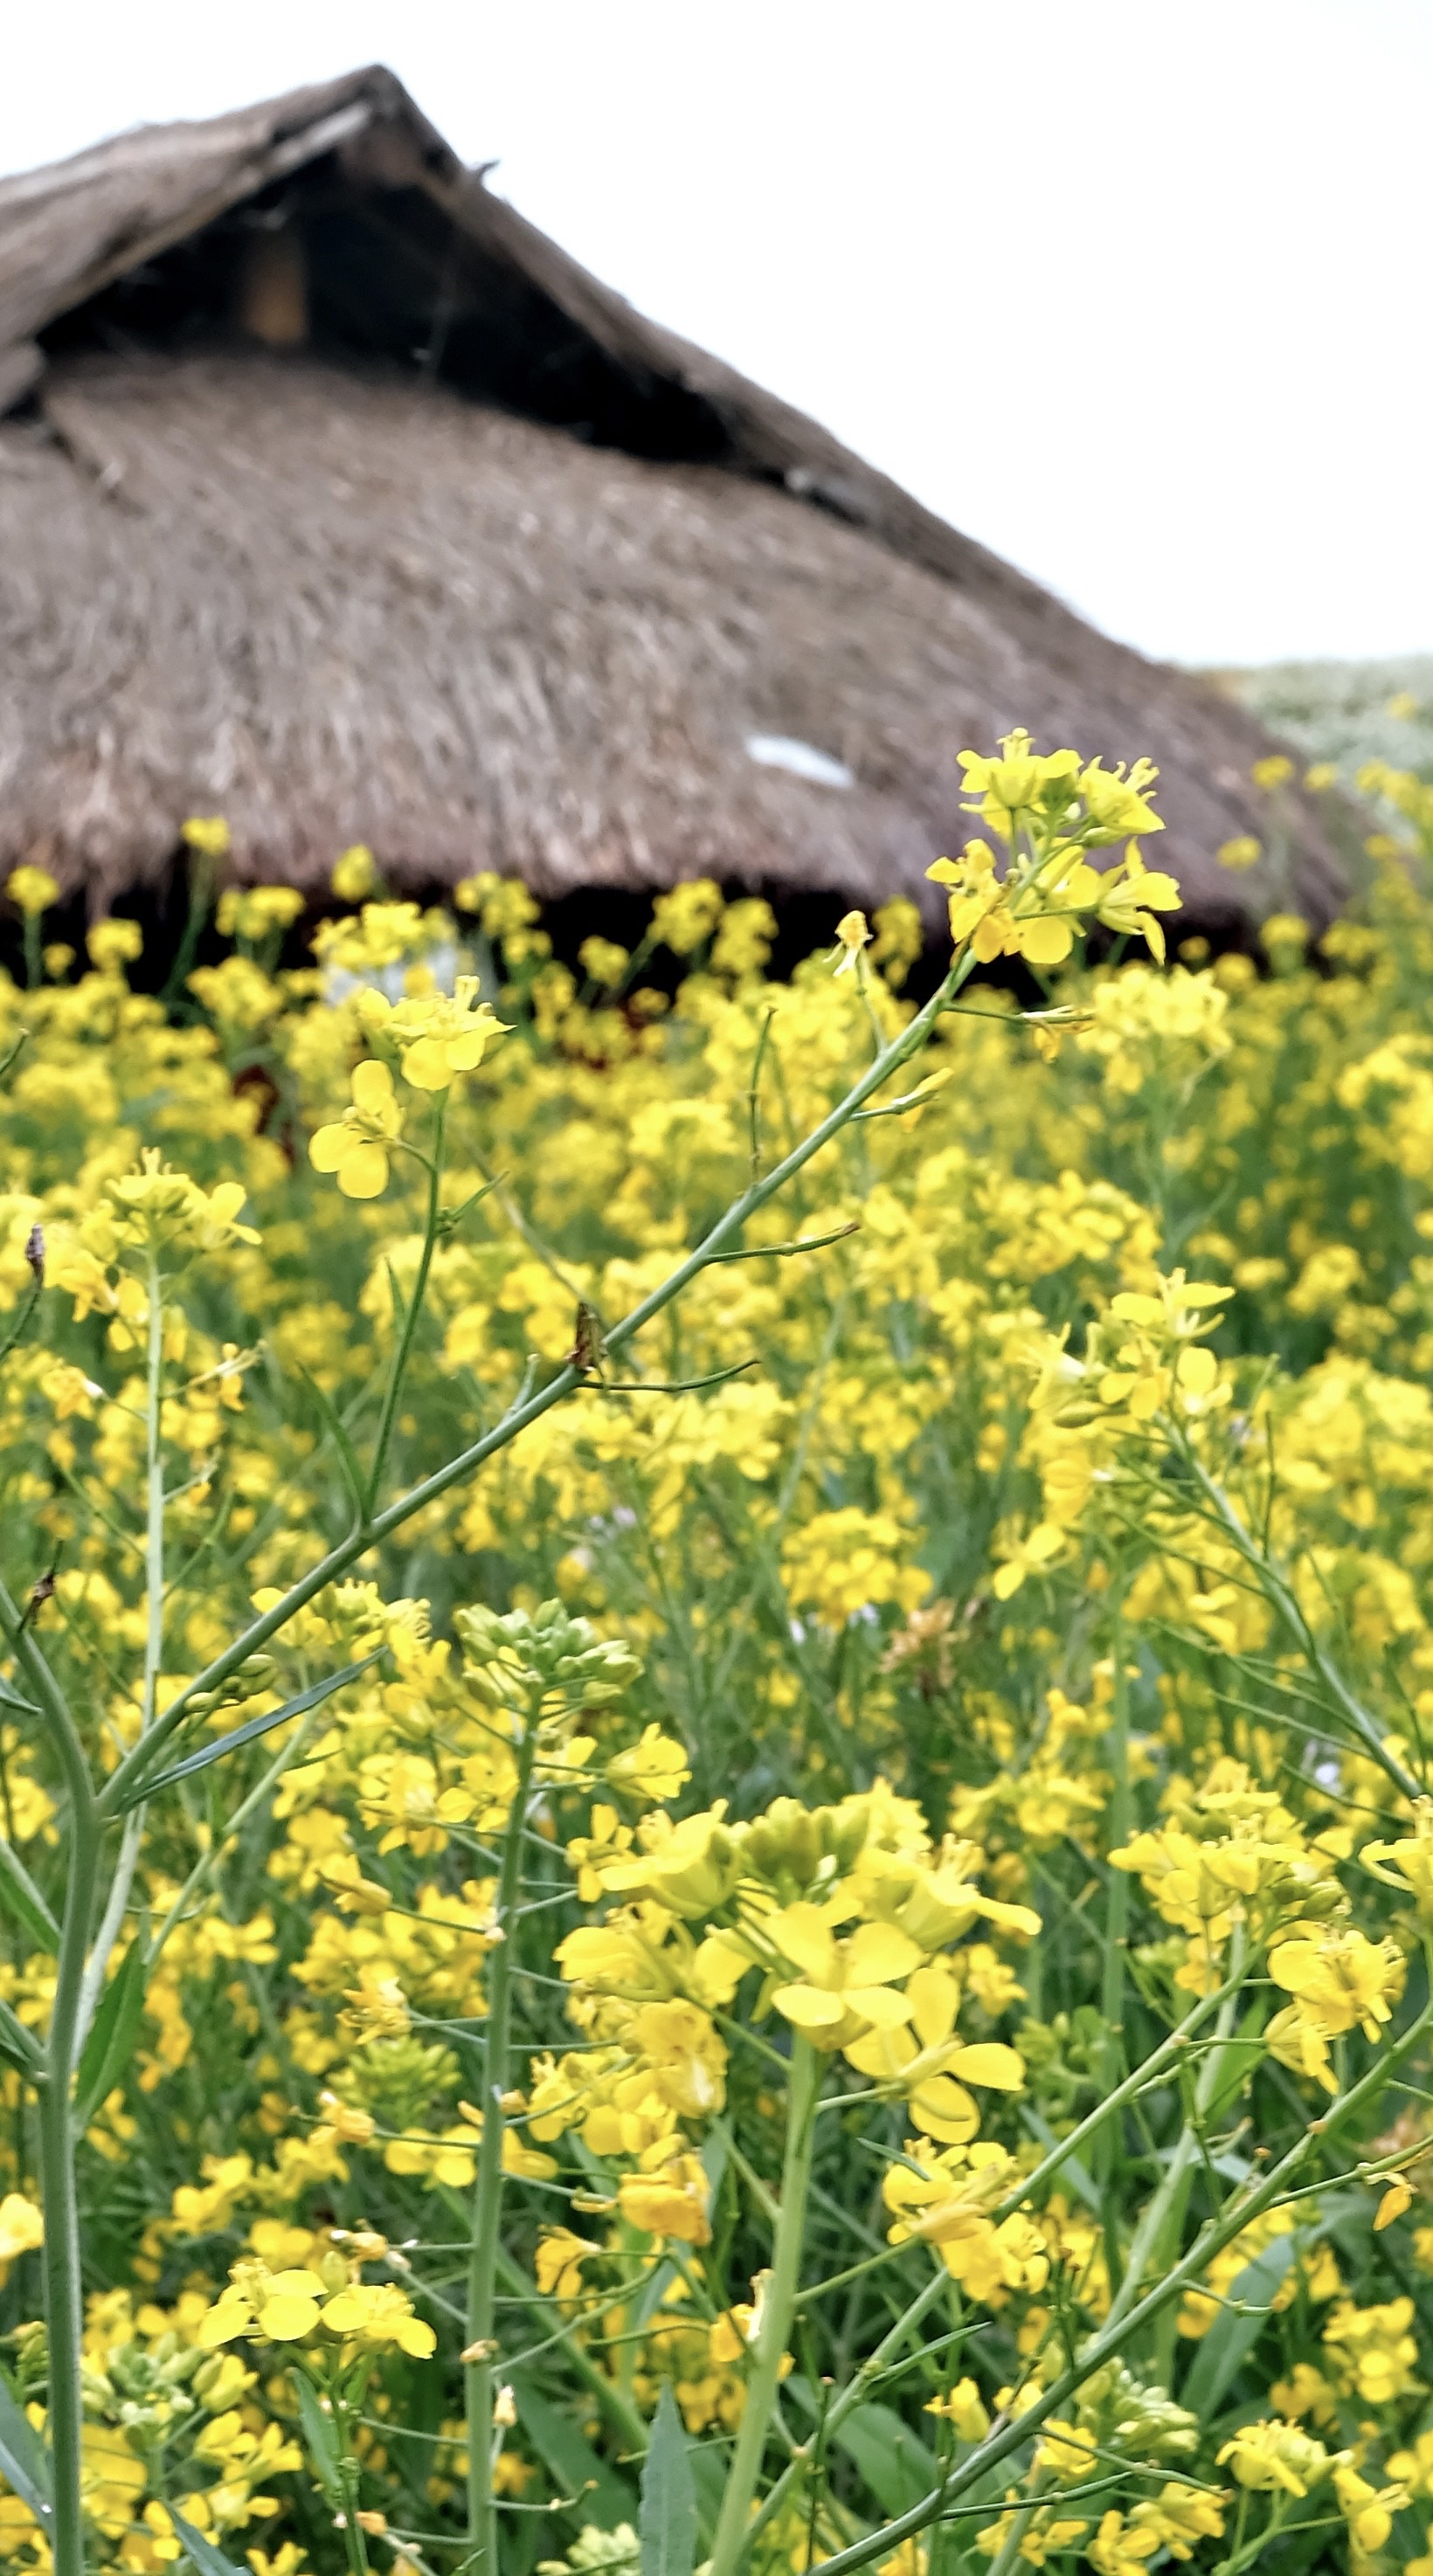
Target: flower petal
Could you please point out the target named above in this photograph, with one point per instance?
(1011, 1918)
(884, 2055)
(885, 2006)
(427, 1064)
(809, 2007)
(284, 2320)
(987, 2061)
(363, 1173)
(373, 1086)
(1046, 940)
(877, 1953)
(349, 2310)
(231, 2317)
(803, 1936)
(328, 1145)
(944, 2110)
(935, 1999)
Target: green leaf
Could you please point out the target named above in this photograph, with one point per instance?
(24, 2460)
(337, 1429)
(1072, 2171)
(709, 2479)
(1231, 2338)
(23, 1900)
(322, 2443)
(10, 1698)
(653, 2291)
(599, 2495)
(1244, 2052)
(209, 2560)
(241, 1735)
(890, 2459)
(110, 2045)
(18, 2045)
(667, 2524)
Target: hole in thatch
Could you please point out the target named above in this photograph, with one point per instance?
(361, 272)
(800, 759)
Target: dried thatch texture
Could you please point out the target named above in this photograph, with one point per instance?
(354, 593)
(337, 610)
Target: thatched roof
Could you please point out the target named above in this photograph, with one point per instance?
(478, 565)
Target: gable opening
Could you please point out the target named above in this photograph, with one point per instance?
(367, 275)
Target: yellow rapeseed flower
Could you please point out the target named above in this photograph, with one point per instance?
(356, 1147)
(853, 933)
(354, 875)
(208, 834)
(440, 1035)
(671, 2201)
(844, 1985)
(254, 912)
(112, 944)
(32, 890)
(1276, 2458)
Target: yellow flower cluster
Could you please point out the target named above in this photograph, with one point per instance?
(944, 1773)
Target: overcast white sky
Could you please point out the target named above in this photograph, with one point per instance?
(1136, 291)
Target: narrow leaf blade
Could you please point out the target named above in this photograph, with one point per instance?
(22, 1899)
(209, 2560)
(337, 1430)
(24, 2460)
(1232, 2337)
(110, 2045)
(667, 2523)
(19, 2046)
(598, 2494)
(322, 2442)
(242, 1735)
(892, 2460)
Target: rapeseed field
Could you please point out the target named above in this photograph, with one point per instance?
(714, 1731)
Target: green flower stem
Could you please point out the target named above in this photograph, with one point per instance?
(1163, 2218)
(132, 1840)
(201, 898)
(530, 1408)
(859, 2387)
(64, 2290)
(478, 2374)
(1280, 1593)
(154, 1494)
(355, 2546)
(54, 1707)
(733, 2531)
(355, 2539)
(1115, 1936)
(404, 1348)
(1113, 2339)
(21, 1324)
(630, 2427)
(1012, 2547)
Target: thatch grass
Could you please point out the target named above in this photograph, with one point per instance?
(488, 571)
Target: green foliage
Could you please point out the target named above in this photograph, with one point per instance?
(713, 1763)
